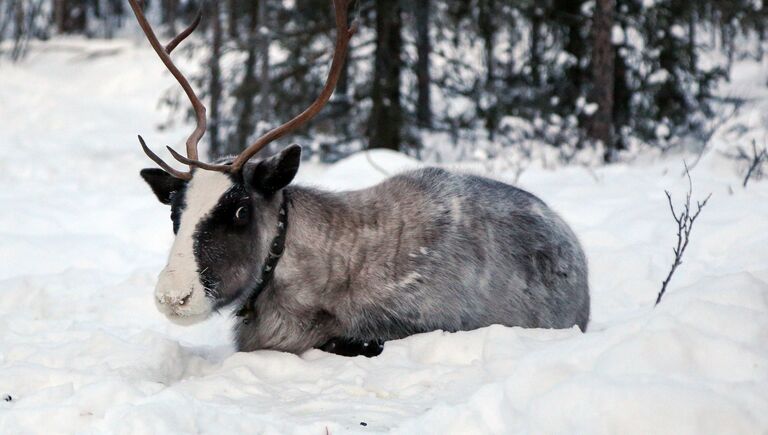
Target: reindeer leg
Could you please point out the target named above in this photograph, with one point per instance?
(351, 347)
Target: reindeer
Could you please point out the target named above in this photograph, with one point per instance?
(346, 271)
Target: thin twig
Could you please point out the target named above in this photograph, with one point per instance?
(757, 161)
(685, 222)
(374, 164)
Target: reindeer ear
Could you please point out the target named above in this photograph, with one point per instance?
(270, 175)
(162, 183)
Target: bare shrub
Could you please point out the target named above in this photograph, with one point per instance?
(685, 219)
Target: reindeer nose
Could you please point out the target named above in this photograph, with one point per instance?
(181, 299)
(171, 300)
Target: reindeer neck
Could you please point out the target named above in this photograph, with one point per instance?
(327, 231)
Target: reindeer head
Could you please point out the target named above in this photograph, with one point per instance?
(223, 212)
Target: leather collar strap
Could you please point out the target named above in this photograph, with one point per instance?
(276, 249)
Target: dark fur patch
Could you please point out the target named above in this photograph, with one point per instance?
(270, 175)
(178, 205)
(226, 250)
(163, 184)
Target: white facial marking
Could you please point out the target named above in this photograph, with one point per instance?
(179, 294)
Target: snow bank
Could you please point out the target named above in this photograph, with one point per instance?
(82, 349)
(364, 169)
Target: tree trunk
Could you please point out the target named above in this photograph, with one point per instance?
(214, 87)
(730, 47)
(246, 92)
(488, 33)
(232, 15)
(59, 12)
(386, 114)
(423, 48)
(535, 55)
(4, 20)
(264, 40)
(110, 17)
(692, 39)
(575, 47)
(601, 125)
(341, 104)
(70, 16)
(19, 25)
(169, 9)
(342, 86)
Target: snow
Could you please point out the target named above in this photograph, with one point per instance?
(82, 239)
(658, 77)
(617, 35)
(662, 131)
(678, 31)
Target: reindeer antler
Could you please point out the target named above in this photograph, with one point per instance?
(164, 54)
(343, 36)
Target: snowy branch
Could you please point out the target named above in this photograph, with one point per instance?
(754, 161)
(757, 160)
(685, 222)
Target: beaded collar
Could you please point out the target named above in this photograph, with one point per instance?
(276, 249)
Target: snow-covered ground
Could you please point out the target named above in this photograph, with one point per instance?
(83, 350)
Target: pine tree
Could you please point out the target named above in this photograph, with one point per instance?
(601, 124)
(386, 114)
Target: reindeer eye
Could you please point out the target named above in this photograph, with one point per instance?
(242, 214)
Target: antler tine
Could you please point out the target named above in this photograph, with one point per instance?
(155, 158)
(198, 163)
(184, 33)
(342, 43)
(163, 54)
